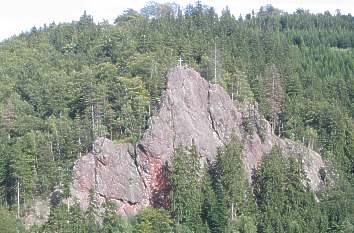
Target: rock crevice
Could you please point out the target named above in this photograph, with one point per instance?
(211, 117)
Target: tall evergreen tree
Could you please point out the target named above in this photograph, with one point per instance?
(186, 196)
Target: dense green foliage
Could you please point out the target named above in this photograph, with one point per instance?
(186, 196)
(63, 85)
(8, 223)
(293, 208)
(153, 221)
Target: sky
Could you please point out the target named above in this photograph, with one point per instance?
(18, 16)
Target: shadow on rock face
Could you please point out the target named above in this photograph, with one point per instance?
(55, 198)
(160, 195)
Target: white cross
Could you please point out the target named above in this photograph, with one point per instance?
(180, 61)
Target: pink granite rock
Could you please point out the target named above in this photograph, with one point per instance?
(195, 111)
(111, 173)
(192, 111)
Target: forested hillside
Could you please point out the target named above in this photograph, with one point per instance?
(62, 86)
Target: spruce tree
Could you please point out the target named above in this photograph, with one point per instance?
(186, 196)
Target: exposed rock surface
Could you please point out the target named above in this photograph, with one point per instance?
(192, 111)
(110, 172)
(195, 111)
(38, 213)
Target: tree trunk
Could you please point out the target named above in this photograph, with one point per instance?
(79, 147)
(18, 199)
(215, 61)
(93, 126)
(232, 211)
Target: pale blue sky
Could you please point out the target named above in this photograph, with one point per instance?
(21, 15)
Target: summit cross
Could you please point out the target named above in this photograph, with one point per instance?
(180, 61)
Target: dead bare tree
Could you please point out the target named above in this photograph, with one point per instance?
(8, 116)
(273, 92)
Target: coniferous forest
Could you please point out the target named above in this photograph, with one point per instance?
(63, 85)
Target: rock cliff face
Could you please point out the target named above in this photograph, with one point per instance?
(111, 174)
(192, 111)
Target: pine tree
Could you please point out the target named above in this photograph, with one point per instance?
(284, 199)
(8, 222)
(92, 214)
(185, 196)
(67, 219)
(152, 220)
(215, 213)
(236, 189)
(112, 222)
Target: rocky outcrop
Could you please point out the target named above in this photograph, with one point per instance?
(195, 111)
(38, 213)
(192, 111)
(109, 173)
